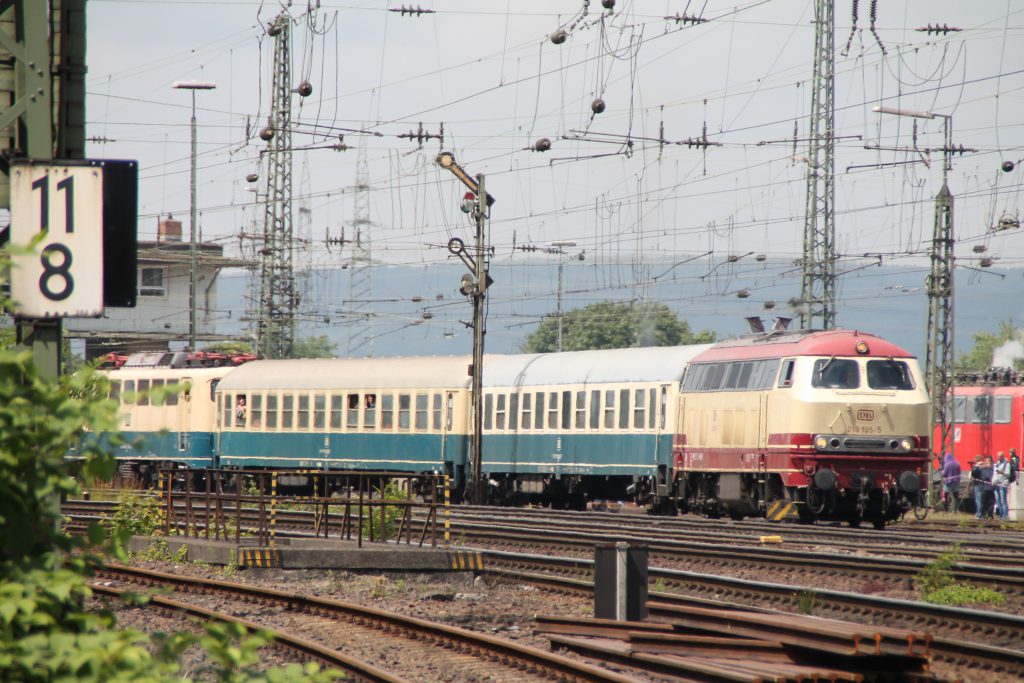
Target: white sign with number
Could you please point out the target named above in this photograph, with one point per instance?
(63, 275)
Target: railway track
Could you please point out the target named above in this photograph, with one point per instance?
(956, 632)
(437, 651)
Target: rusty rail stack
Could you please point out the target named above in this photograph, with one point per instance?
(736, 645)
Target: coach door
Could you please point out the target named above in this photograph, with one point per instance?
(184, 416)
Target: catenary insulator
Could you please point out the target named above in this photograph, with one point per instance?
(305, 89)
(608, 4)
(760, 257)
(252, 178)
(558, 37)
(743, 293)
(597, 106)
(267, 133)
(274, 29)
(980, 248)
(542, 145)
(1008, 166)
(769, 305)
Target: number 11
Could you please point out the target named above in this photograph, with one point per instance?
(68, 187)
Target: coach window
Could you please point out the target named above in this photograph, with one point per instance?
(422, 412)
(449, 412)
(303, 412)
(143, 397)
(387, 412)
(256, 412)
(538, 410)
(287, 411)
(128, 395)
(337, 406)
(609, 408)
(370, 411)
(638, 408)
(623, 408)
(513, 411)
(527, 410)
(595, 408)
(566, 410)
(1003, 411)
(157, 398)
(734, 379)
(352, 414)
(319, 408)
(271, 419)
(437, 412)
(982, 410)
(786, 376)
(404, 405)
(225, 419)
(320, 412)
(115, 392)
(174, 389)
(488, 411)
(500, 414)
(581, 410)
(552, 410)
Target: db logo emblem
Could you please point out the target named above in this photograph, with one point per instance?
(865, 415)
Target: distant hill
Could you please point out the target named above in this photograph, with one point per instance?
(417, 310)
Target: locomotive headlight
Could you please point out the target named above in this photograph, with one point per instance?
(821, 442)
(862, 347)
(906, 444)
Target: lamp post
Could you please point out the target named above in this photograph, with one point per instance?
(192, 254)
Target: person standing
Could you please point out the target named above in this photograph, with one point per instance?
(981, 483)
(1000, 482)
(951, 481)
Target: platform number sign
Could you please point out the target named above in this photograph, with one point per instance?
(61, 206)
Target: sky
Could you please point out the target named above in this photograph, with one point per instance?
(623, 185)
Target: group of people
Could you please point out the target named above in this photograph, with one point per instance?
(988, 483)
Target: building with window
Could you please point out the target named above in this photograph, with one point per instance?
(160, 318)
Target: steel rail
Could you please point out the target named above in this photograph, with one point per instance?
(498, 649)
(308, 649)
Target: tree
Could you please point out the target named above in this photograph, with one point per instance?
(983, 355)
(319, 346)
(614, 325)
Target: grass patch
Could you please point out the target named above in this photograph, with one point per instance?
(937, 585)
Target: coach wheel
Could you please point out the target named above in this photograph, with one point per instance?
(920, 512)
(878, 524)
(855, 522)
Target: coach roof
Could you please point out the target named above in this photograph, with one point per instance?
(647, 364)
(412, 372)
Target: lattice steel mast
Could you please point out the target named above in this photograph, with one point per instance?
(818, 298)
(278, 296)
(360, 282)
(939, 351)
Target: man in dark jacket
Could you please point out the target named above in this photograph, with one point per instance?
(981, 479)
(951, 482)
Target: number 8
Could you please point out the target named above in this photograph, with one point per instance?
(61, 271)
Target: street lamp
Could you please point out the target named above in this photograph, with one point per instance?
(192, 265)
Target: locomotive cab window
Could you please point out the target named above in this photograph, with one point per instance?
(889, 374)
(786, 376)
(835, 373)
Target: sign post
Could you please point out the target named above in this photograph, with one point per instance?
(57, 240)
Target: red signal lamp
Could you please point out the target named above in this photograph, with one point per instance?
(468, 200)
